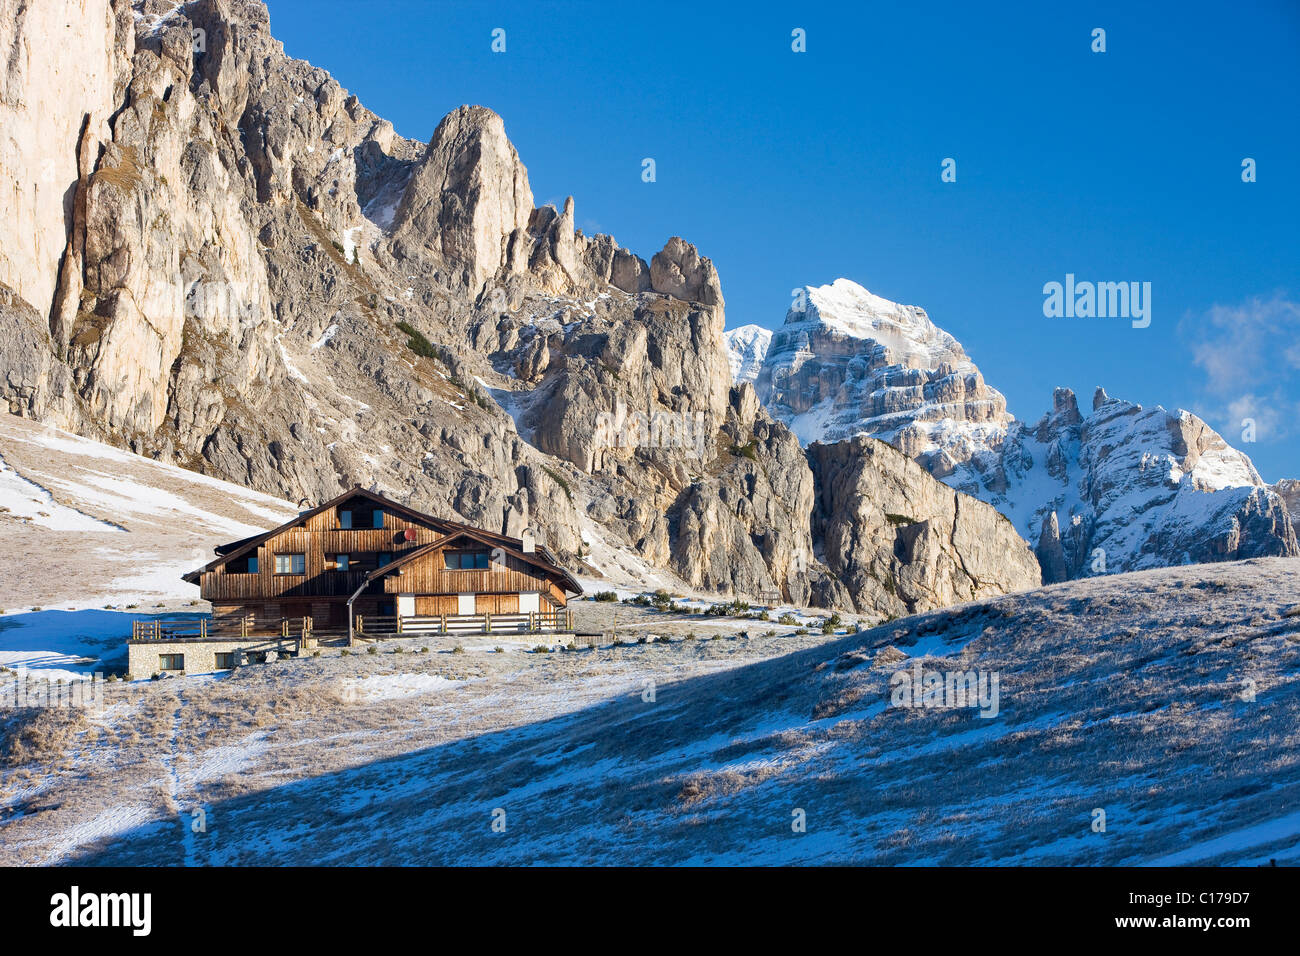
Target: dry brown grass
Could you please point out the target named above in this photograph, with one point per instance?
(1109, 698)
(32, 735)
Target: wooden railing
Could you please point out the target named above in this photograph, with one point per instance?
(243, 628)
(526, 622)
(165, 630)
(371, 626)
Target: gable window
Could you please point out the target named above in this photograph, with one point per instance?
(245, 565)
(468, 560)
(350, 518)
(290, 564)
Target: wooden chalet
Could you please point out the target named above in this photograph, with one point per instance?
(364, 559)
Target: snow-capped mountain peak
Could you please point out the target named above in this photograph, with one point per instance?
(905, 330)
(746, 349)
(848, 362)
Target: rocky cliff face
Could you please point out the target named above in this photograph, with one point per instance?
(1120, 489)
(236, 267)
(1289, 490)
(903, 542)
(62, 78)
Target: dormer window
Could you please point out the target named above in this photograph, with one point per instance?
(243, 565)
(358, 518)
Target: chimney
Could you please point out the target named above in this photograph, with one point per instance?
(528, 541)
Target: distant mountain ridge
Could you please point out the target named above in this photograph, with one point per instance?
(1123, 488)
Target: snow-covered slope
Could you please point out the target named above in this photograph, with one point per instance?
(746, 348)
(83, 524)
(847, 362)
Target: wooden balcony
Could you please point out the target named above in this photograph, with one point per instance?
(305, 633)
(224, 629)
(529, 622)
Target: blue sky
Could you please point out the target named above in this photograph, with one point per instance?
(797, 168)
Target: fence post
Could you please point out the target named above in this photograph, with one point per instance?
(442, 624)
(399, 622)
(487, 623)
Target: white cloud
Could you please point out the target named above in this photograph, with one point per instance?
(1249, 353)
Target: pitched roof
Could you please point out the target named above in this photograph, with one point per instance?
(235, 549)
(535, 558)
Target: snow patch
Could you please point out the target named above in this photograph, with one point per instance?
(396, 686)
(328, 334)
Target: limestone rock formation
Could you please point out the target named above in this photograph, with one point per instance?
(467, 195)
(61, 78)
(1289, 491)
(1050, 554)
(225, 261)
(680, 271)
(903, 542)
(33, 384)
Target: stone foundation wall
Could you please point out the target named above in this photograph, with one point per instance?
(200, 657)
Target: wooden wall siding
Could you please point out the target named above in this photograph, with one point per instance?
(427, 575)
(319, 536)
(436, 604)
(496, 604)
